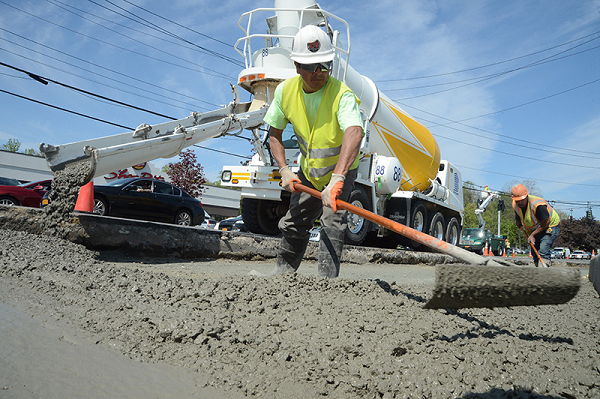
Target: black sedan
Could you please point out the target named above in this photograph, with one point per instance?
(147, 199)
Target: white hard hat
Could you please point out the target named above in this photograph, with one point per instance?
(311, 45)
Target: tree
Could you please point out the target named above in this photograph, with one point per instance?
(13, 145)
(579, 234)
(187, 174)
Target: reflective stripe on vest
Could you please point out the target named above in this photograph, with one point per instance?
(529, 220)
(320, 146)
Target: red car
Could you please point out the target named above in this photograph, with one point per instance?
(27, 194)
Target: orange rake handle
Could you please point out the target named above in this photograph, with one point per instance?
(533, 247)
(415, 235)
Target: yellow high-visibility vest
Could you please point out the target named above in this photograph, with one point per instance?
(320, 146)
(530, 222)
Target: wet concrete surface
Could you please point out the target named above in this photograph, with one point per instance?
(88, 320)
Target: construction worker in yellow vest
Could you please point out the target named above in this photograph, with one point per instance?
(538, 219)
(328, 127)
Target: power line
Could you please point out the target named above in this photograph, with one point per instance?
(492, 76)
(521, 140)
(528, 178)
(222, 152)
(66, 110)
(486, 77)
(119, 47)
(520, 156)
(195, 48)
(38, 77)
(168, 33)
(185, 27)
(492, 64)
(160, 95)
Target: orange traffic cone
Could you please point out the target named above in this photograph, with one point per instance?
(504, 253)
(485, 250)
(514, 254)
(530, 254)
(85, 200)
(593, 252)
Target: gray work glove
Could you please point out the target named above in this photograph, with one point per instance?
(287, 177)
(333, 190)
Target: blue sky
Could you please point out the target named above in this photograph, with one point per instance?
(510, 89)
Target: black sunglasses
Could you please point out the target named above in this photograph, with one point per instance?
(322, 66)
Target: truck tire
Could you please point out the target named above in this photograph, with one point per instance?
(453, 231)
(262, 216)
(418, 219)
(437, 226)
(358, 227)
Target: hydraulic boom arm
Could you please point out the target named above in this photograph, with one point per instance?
(146, 143)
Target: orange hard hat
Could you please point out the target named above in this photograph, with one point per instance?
(518, 192)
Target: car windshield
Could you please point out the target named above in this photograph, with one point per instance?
(117, 182)
(7, 181)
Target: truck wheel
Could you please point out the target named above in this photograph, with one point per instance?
(453, 231)
(358, 227)
(418, 218)
(437, 226)
(262, 216)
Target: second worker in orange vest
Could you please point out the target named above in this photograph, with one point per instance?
(538, 219)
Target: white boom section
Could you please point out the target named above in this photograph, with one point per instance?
(487, 197)
(146, 143)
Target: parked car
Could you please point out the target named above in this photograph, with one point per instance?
(578, 254)
(556, 254)
(9, 181)
(146, 199)
(232, 224)
(209, 224)
(27, 194)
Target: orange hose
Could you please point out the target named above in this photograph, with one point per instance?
(415, 235)
(533, 247)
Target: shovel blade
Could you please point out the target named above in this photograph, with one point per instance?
(475, 286)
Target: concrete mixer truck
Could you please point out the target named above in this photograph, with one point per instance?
(400, 175)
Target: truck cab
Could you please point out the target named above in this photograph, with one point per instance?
(474, 240)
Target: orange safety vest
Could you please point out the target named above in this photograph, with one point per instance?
(529, 220)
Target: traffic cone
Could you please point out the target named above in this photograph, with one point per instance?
(514, 254)
(593, 252)
(504, 253)
(530, 254)
(485, 250)
(85, 200)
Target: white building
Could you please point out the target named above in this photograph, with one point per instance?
(27, 168)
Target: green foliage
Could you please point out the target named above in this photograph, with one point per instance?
(13, 145)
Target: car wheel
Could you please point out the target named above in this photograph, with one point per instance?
(437, 227)
(453, 231)
(100, 206)
(183, 218)
(6, 200)
(358, 227)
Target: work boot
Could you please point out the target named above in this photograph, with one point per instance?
(330, 252)
(289, 257)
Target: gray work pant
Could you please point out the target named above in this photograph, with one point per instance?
(296, 224)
